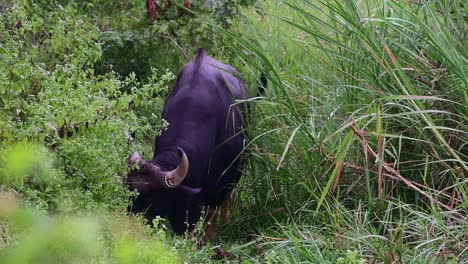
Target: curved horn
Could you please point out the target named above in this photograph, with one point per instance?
(175, 177)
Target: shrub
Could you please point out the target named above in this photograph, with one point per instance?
(51, 96)
(29, 236)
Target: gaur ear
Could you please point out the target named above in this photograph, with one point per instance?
(134, 158)
(175, 177)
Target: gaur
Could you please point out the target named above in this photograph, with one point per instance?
(197, 158)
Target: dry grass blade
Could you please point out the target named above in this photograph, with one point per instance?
(359, 134)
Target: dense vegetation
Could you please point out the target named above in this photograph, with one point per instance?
(357, 151)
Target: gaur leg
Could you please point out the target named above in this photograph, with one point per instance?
(210, 224)
(225, 208)
(219, 203)
(212, 215)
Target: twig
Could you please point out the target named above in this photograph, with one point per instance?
(447, 196)
(392, 171)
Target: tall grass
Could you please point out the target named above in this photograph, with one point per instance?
(404, 79)
(368, 121)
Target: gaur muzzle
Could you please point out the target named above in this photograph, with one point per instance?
(148, 176)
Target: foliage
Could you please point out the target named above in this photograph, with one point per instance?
(52, 96)
(374, 111)
(132, 42)
(357, 150)
(33, 237)
(403, 85)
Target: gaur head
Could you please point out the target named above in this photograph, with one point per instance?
(149, 177)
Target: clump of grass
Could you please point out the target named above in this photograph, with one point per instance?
(401, 90)
(405, 234)
(382, 118)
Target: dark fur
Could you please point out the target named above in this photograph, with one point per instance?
(207, 124)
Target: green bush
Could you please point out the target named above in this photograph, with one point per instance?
(131, 42)
(30, 169)
(29, 236)
(50, 95)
